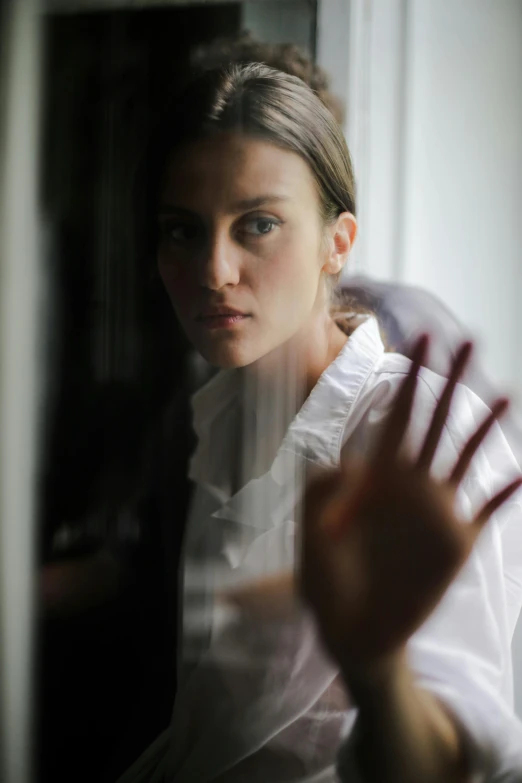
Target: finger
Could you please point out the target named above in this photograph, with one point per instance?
(319, 493)
(474, 442)
(491, 506)
(311, 543)
(443, 406)
(393, 432)
(360, 480)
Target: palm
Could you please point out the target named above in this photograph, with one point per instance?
(382, 541)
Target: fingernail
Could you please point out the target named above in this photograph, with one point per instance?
(465, 349)
(420, 347)
(501, 405)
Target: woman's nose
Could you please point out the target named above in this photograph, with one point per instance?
(219, 264)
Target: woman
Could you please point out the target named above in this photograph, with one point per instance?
(256, 215)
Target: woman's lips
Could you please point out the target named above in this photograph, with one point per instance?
(224, 320)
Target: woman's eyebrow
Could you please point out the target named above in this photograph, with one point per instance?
(258, 201)
(238, 206)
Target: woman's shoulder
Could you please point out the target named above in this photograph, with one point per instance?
(383, 383)
(364, 422)
(355, 394)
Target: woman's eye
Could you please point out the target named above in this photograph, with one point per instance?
(178, 232)
(260, 226)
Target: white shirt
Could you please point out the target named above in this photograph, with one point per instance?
(259, 701)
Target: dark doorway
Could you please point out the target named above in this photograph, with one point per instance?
(106, 668)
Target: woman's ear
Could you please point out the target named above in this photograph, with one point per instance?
(342, 235)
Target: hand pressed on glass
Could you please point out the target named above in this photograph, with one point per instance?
(382, 541)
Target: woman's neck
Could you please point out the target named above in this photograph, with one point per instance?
(300, 361)
(274, 389)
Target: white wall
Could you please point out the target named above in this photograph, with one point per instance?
(435, 128)
(436, 134)
(463, 178)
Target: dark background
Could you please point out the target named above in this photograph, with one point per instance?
(118, 386)
(117, 424)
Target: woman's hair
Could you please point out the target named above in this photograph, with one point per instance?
(243, 48)
(270, 105)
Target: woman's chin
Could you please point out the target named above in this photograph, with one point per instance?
(227, 357)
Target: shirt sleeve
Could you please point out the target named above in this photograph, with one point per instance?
(462, 653)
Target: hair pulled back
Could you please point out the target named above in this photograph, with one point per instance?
(270, 105)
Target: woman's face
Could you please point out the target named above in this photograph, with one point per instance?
(241, 249)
